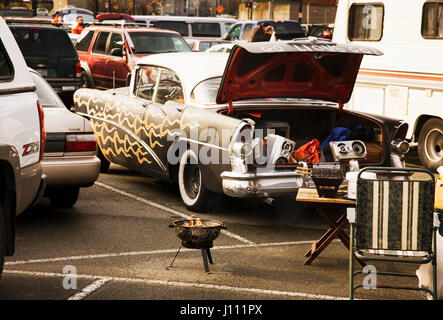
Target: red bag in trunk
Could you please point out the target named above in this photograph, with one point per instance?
(309, 152)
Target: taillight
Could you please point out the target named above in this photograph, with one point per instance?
(41, 117)
(78, 70)
(80, 142)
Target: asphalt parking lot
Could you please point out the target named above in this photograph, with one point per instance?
(115, 244)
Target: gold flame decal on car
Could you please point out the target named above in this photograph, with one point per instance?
(106, 117)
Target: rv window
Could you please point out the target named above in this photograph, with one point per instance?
(366, 22)
(432, 20)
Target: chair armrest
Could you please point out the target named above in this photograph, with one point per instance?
(350, 214)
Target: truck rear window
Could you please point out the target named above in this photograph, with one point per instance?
(206, 29)
(180, 27)
(37, 41)
(6, 70)
(155, 42)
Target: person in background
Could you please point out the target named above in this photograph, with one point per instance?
(56, 18)
(262, 32)
(327, 34)
(78, 28)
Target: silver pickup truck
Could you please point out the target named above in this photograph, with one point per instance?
(22, 137)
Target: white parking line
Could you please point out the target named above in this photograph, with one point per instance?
(136, 253)
(302, 295)
(167, 209)
(89, 289)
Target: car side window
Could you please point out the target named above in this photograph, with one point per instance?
(234, 33)
(116, 42)
(84, 41)
(246, 31)
(100, 43)
(169, 87)
(146, 80)
(6, 69)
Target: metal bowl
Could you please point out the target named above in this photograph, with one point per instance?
(197, 236)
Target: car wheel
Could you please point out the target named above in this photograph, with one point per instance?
(430, 150)
(104, 163)
(64, 197)
(192, 190)
(84, 80)
(3, 239)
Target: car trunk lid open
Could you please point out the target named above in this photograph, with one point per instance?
(308, 68)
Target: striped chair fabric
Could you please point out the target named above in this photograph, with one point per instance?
(396, 216)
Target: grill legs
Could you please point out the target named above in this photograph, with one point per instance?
(206, 255)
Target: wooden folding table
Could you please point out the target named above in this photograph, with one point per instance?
(327, 208)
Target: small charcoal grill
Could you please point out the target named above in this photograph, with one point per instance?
(197, 234)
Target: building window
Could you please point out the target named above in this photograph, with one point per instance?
(366, 22)
(432, 20)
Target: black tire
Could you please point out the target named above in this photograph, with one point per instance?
(64, 197)
(104, 163)
(3, 239)
(84, 80)
(429, 147)
(192, 190)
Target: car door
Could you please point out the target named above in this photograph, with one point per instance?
(234, 32)
(116, 69)
(160, 118)
(97, 60)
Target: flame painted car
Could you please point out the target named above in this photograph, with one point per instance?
(296, 88)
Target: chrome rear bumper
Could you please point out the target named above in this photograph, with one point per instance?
(261, 184)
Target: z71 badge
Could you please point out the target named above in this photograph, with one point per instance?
(29, 148)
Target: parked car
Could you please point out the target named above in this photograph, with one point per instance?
(115, 16)
(182, 106)
(42, 11)
(317, 30)
(190, 27)
(221, 48)
(49, 51)
(70, 156)
(118, 48)
(70, 14)
(284, 30)
(203, 44)
(22, 139)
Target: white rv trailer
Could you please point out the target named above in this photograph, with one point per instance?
(407, 81)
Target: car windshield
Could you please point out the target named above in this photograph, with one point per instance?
(47, 42)
(46, 95)
(287, 30)
(150, 42)
(206, 91)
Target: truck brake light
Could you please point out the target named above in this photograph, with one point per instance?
(41, 117)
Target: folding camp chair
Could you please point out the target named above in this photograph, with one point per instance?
(394, 221)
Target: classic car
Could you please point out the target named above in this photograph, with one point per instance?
(182, 109)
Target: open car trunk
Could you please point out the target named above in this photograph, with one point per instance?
(303, 124)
